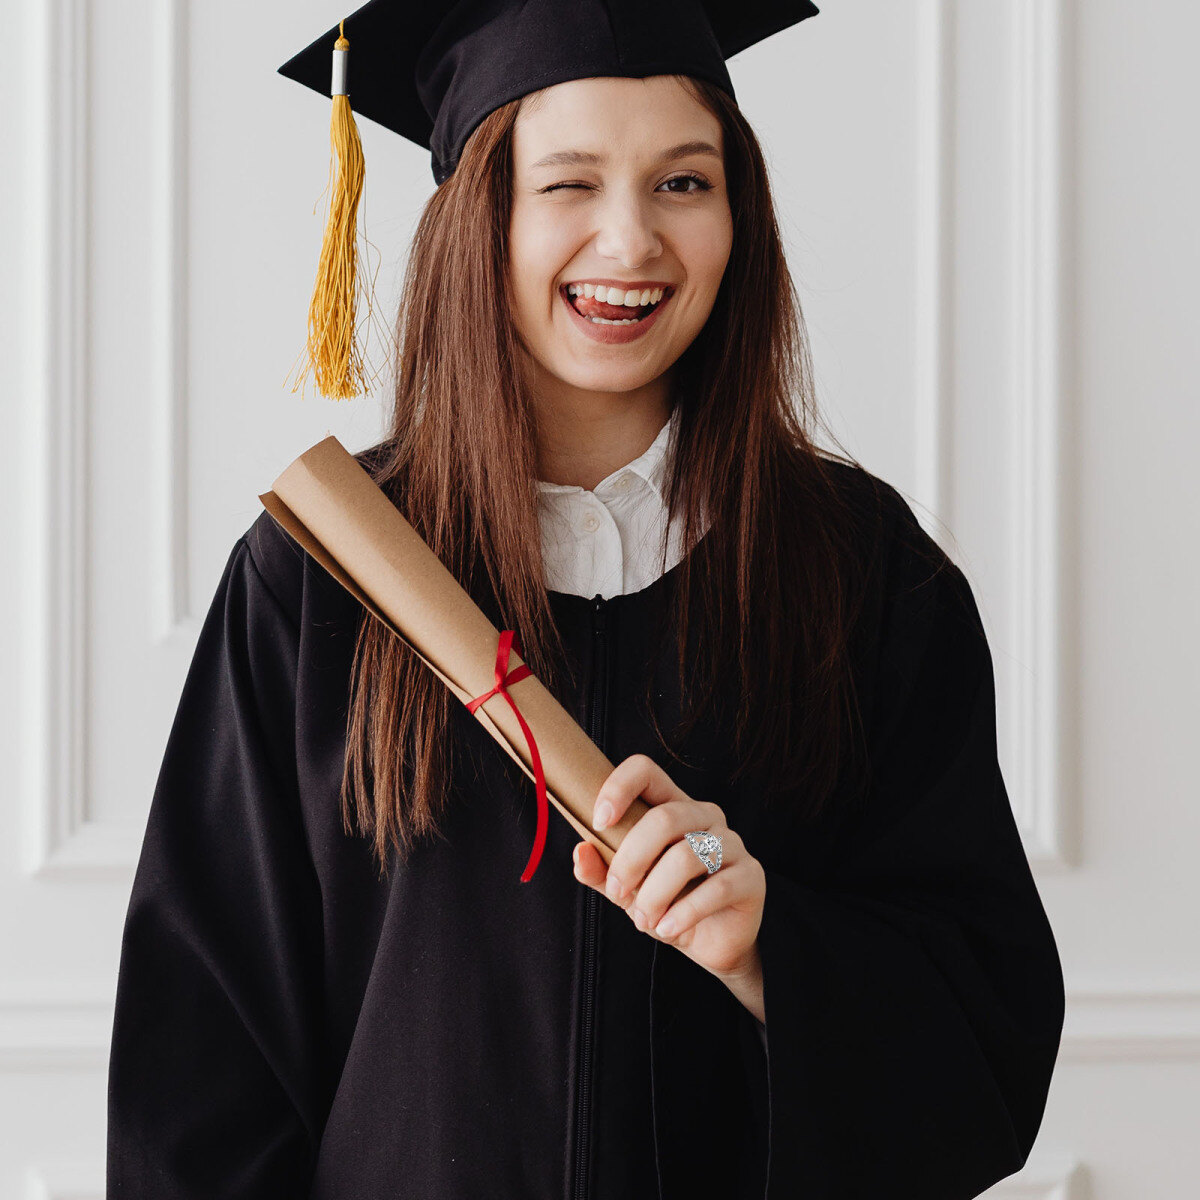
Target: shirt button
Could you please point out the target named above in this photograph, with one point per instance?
(623, 483)
(591, 522)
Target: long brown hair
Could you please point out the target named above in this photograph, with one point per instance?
(777, 586)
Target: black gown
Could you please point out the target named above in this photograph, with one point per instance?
(287, 1025)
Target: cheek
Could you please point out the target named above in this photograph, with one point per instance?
(705, 252)
(542, 242)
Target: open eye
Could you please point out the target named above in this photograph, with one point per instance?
(702, 184)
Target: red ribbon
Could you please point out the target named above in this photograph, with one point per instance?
(508, 638)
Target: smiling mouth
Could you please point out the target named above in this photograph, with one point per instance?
(613, 314)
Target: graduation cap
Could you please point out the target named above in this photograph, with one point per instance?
(431, 70)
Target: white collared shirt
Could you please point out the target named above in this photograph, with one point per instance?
(609, 540)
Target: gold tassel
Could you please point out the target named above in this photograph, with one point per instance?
(333, 355)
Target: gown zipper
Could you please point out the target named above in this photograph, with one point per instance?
(591, 923)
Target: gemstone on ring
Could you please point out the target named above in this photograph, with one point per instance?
(707, 847)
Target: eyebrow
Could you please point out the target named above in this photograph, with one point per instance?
(576, 158)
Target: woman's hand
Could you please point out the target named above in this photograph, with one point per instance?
(716, 924)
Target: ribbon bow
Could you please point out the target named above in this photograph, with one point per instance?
(509, 640)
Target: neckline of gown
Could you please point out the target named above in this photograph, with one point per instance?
(568, 599)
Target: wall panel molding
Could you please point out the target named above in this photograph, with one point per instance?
(934, 239)
(1039, 390)
(74, 1179)
(55, 541)
(61, 840)
(1044, 1177)
(1118, 1025)
(171, 575)
(1033, 223)
(57, 1026)
(53, 1027)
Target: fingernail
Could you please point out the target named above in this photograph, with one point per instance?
(602, 814)
(612, 889)
(665, 927)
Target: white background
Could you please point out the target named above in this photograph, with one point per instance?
(991, 214)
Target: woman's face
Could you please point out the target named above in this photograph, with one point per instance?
(617, 183)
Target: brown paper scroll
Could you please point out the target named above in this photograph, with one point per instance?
(336, 511)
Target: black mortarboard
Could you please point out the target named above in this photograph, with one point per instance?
(431, 70)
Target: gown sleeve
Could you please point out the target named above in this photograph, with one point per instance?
(912, 986)
(213, 1083)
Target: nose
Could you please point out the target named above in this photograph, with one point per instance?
(626, 232)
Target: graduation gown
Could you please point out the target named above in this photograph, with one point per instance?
(287, 1024)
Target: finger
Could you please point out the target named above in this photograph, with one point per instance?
(637, 775)
(657, 829)
(723, 889)
(677, 867)
(590, 868)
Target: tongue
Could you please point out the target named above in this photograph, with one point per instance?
(613, 312)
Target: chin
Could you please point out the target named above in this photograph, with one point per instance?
(608, 379)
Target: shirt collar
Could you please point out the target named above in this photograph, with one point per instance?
(650, 465)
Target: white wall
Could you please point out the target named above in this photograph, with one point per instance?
(991, 215)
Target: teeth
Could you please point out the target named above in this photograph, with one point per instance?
(607, 295)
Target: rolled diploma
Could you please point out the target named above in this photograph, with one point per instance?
(332, 507)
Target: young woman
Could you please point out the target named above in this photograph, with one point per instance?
(333, 983)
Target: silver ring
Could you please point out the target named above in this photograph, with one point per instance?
(706, 847)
